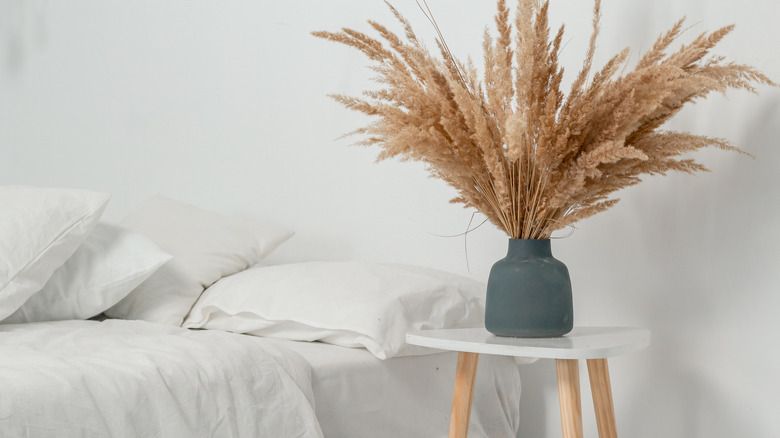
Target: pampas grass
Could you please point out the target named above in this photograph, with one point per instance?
(513, 145)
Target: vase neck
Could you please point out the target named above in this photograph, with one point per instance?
(529, 248)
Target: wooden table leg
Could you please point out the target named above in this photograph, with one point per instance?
(602, 397)
(465, 376)
(569, 397)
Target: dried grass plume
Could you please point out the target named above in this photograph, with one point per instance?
(513, 145)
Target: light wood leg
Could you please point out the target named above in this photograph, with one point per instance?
(465, 376)
(602, 397)
(569, 397)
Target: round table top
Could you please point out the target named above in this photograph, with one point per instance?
(580, 343)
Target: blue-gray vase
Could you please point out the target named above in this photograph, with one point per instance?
(529, 293)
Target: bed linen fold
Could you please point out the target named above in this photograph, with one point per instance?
(136, 379)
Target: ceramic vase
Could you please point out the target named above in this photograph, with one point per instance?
(529, 293)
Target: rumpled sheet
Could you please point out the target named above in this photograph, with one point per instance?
(136, 379)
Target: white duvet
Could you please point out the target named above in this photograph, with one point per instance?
(136, 379)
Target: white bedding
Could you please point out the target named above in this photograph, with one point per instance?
(358, 395)
(136, 379)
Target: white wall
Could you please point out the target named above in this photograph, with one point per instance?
(223, 104)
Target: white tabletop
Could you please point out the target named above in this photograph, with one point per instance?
(580, 343)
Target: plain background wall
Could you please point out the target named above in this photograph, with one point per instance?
(223, 104)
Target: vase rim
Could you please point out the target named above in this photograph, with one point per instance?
(530, 246)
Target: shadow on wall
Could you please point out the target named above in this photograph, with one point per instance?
(22, 27)
(710, 309)
(691, 405)
(703, 278)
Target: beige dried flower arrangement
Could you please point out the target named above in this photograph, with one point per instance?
(530, 158)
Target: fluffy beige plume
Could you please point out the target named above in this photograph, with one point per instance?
(512, 144)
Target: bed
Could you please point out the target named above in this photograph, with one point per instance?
(196, 337)
(357, 395)
(137, 379)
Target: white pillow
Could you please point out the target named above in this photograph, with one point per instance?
(110, 263)
(205, 246)
(39, 229)
(351, 304)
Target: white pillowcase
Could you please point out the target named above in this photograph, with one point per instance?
(205, 246)
(351, 304)
(39, 229)
(110, 263)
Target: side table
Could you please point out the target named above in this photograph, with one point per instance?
(594, 344)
